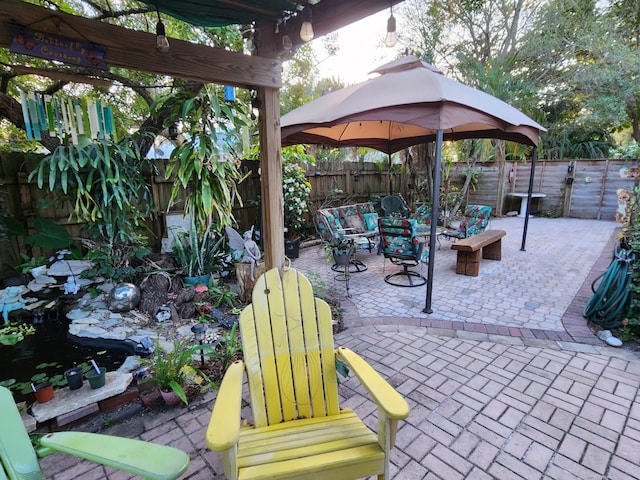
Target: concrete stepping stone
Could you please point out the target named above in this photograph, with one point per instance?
(65, 400)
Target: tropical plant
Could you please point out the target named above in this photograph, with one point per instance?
(229, 346)
(205, 163)
(171, 368)
(106, 184)
(222, 295)
(196, 251)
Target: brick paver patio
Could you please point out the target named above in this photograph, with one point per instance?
(516, 388)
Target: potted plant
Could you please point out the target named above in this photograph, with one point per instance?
(171, 369)
(196, 252)
(41, 384)
(340, 252)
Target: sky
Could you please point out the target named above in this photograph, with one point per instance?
(361, 50)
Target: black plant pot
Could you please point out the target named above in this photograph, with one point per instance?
(74, 378)
(342, 256)
(292, 248)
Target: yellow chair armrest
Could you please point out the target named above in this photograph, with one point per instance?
(223, 431)
(385, 396)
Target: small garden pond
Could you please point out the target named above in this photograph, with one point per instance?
(51, 345)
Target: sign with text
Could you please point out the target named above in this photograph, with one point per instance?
(54, 47)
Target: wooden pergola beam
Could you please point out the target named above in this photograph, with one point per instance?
(331, 15)
(67, 77)
(136, 50)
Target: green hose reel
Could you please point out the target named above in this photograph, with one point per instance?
(610, 302)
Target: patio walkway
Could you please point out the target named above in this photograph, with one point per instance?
(513, 403)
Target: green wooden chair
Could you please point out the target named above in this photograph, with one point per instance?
(299, 429)
(19, 456)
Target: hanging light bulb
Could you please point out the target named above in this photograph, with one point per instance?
(306, 30)
(162, 42)
(391, 38)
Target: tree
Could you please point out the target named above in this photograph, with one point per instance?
(132, 92)
(584, 58)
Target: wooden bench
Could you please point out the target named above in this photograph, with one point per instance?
(489, 241)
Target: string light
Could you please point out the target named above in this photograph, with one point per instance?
(391, 38)
(162, 42)
(306, 30)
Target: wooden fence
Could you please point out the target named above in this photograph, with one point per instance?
(590, 194)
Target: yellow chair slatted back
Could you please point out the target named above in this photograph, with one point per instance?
(289, 354)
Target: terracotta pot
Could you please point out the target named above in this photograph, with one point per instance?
(43, 392)
(170, 397)
(151, 397)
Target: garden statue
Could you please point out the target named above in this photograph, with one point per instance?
(10, 300)
(245, 249)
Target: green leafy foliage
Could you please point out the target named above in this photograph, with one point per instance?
(228, 346)
(49, 235)
(117, 262)
(15, 332)
(171, 368)
(206, 161)
(296, 189)
(105, 181)
(198, 253)
(631, 237)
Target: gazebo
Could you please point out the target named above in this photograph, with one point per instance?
(136, 50)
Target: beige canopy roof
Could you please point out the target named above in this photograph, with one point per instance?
(410, 102)
(406, 105)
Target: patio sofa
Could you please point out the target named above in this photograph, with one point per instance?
(334, 223)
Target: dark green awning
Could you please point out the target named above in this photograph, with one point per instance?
(212, 13)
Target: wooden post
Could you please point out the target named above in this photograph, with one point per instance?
(271, 161)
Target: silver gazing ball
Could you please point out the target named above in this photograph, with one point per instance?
(124, 297)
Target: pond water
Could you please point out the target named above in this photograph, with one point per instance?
(51, 344)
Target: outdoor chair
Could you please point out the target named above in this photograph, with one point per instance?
(19, 454)
(475, 220)
(394, 205)
(399, 243)
(298, 429)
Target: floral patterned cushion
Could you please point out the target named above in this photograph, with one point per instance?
(398, 237)
(476, 219)
(423, 214)
(331, 222)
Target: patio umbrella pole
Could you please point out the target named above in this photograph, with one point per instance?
(534, 155)
(390, 177)
(435, 212)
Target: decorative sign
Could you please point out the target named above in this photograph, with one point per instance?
(53, 47)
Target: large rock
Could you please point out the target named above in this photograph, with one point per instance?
(64, 268)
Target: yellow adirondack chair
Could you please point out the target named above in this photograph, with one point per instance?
(299, 430)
